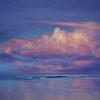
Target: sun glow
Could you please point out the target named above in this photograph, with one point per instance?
(74, 39)
(59, 36)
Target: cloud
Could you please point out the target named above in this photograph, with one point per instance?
(50, 53)
(59, 42)
(66, 64)
(79, 25)
(83, 62)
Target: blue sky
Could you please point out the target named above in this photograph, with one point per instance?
(20, 18)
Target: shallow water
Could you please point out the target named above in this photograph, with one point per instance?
(51, 88)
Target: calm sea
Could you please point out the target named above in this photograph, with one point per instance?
(51, 88)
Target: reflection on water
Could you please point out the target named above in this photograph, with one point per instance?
(51, 89)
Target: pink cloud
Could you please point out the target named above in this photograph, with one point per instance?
(83, 25)
(83, 62)
(84, 49)
(59, 42)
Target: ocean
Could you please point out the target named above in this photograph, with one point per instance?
(67, 87)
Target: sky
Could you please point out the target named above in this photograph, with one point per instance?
(49, 36)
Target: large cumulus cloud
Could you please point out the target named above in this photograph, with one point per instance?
(60, 42)
(60, 52)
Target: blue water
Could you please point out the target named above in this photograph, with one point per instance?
(51, 88)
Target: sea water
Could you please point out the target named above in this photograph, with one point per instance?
(51, 88)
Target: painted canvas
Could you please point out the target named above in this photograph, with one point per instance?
(49, 49)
